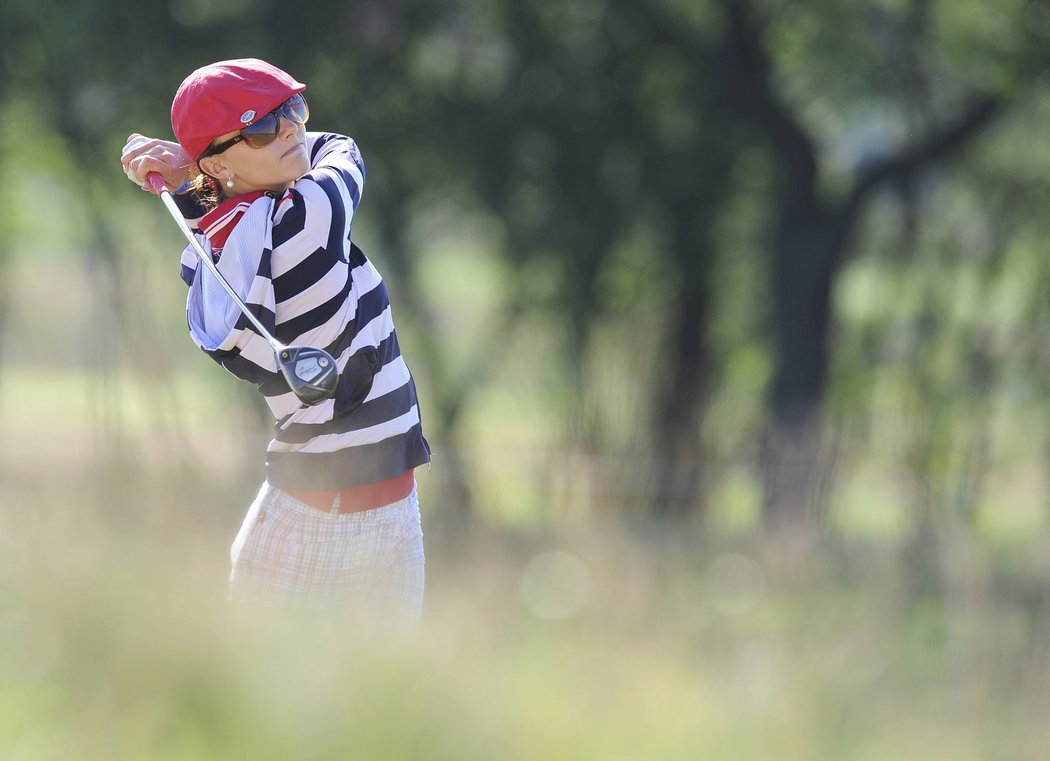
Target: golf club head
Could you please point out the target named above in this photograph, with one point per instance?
(311, 373)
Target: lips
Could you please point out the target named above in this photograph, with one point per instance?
(293, 149)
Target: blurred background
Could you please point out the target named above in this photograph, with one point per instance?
(730, 326)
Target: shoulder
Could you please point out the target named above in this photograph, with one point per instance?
(335, 180)
(332, 148)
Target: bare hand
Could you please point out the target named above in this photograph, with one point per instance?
(142, 155)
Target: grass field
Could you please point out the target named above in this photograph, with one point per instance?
(595, 643)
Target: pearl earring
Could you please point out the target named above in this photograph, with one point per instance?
(229, 182)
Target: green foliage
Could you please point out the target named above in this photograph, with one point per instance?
(578, 218)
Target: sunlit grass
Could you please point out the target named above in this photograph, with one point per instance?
(116, 643)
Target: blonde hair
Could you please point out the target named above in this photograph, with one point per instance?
(207, 189)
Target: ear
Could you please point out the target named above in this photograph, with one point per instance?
(213, 166)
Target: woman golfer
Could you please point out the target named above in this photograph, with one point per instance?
(336, 523)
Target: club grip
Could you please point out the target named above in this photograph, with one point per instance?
(156, 182)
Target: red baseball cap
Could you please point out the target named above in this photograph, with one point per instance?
(223, 97)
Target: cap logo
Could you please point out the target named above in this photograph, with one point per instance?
(247, 116)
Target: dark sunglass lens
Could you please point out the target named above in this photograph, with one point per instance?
(262, 132)
(295, 109)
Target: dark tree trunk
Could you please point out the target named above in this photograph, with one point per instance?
(678, 455)
(808, 246)
(806, 251)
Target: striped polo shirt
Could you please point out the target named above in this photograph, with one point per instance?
(292, 261)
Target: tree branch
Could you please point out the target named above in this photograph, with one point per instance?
(936, 146)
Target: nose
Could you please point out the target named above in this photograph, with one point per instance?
(288, 127)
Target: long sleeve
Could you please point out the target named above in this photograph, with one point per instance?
(216, 323)
(293, 260)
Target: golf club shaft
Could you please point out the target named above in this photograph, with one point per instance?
(157, 183)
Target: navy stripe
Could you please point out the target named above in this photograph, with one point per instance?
(306, 273)
(338, 233)
(392, 404)
(292, 222)
(379, 410)
(189, 205)
(247, 370)
(318, 146)
(333, 158)
(388, 350)
(342, 342)
(351, 186)
(275, 385)
(372, 304)
(329, 144)
(357, 256)
(339, 169)
(265, 268)
(374, 412)
(323, 144)
(353, 466)
(262, 314)
(369, 306)
(290, 330)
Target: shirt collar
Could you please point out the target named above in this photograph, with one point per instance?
(218, 223)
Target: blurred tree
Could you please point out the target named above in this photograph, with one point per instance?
(593, 132)
(657, 81)
(814, 229)
(597, 131)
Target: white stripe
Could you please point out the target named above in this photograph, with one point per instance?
(390, 378)
(213, 315)
(287, 403)
(257, 350)
(318, 222)
(373, 333)
(189, 254)
(320, 293)
(334, 441)
(359, 179)
(292, 252)
(365, 278)
(225, 219)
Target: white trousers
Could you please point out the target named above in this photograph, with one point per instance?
(367, 564)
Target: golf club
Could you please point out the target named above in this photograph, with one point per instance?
(311, 373)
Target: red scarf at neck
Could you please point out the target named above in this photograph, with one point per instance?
(218, 223)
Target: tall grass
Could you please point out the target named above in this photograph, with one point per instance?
(116, 642)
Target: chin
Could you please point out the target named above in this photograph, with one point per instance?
(299, 164)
